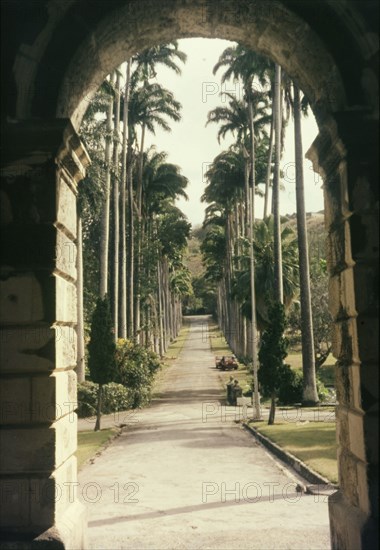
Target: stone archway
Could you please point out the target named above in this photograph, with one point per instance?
(55, 62)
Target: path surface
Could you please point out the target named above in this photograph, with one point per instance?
(184, 475)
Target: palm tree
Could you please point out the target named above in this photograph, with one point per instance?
(116, 214)
(123, 209)
(223, 192)
(243, 64)
(162, 184)
(150, 106)
(105, 222)
(279, 293)
(310, 393)
(264, 271)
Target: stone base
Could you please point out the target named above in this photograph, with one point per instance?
(350, 528)
(69, 533)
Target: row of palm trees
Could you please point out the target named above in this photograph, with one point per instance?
(234, 238)
(134, 236)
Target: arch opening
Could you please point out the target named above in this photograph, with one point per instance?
(50, 88)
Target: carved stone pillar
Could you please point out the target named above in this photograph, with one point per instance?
(345, 154)
(42, 164)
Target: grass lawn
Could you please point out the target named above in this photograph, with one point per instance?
(89, 442)
(312, 442)
(326, 373)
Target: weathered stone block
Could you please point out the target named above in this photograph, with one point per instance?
(53, 397)
(369, 388)
(364, 236)
(21, 299)
(345, 342)
(366, 288)
(52, 496)
(66, 255)
(15, 498)
(66, 305)
(368, 333)
(38, 450)
(66, 347)
(363, 487)
(348, 477)
(339, 248)
(342, 433)
(346, 523)
(355, 428)
(347, 384)
(66, 207)
(27, 349)
(15, 400)
(342, 295)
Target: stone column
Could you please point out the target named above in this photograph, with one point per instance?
(345, 155)
(42, 164)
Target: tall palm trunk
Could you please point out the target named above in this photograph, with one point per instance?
(131, 251)
(138, 243)
(278, 285)
(252, 261)
(310, 393)
(269, 167)
(105, 221)
(123, 211)
(80, 323)
(116, 217)
(160, 310)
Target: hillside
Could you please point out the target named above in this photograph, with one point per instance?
(193, 257)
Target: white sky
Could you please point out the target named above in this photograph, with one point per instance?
(193, 146)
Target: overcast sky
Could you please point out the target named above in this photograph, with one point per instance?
(193, 146)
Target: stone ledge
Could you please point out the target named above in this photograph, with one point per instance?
(68, 533)
(298, 466)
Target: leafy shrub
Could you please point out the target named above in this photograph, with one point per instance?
(290, 390)
(323, 392)
(115, 398)
(136, 367)
(291, 387)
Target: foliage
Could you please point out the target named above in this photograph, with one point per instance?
(136, 367)
(264, 271)
(322, 320)
(101, 348)
(273, 350)
(291, 386)
(115, 398)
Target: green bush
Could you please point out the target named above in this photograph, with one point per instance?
(290, 390)
(136, 367)
(115, 398)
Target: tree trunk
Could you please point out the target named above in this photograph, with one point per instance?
(251, 217)
(80, 323)
(116, 220)
(138, 244)
(99, 409)
(131, 251)
(105, 221)
(279, 296)
(272, 411)
(310, 393)
(160, 310)
(269, 167)
(123, 211)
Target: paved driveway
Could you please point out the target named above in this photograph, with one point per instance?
(184, 475)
